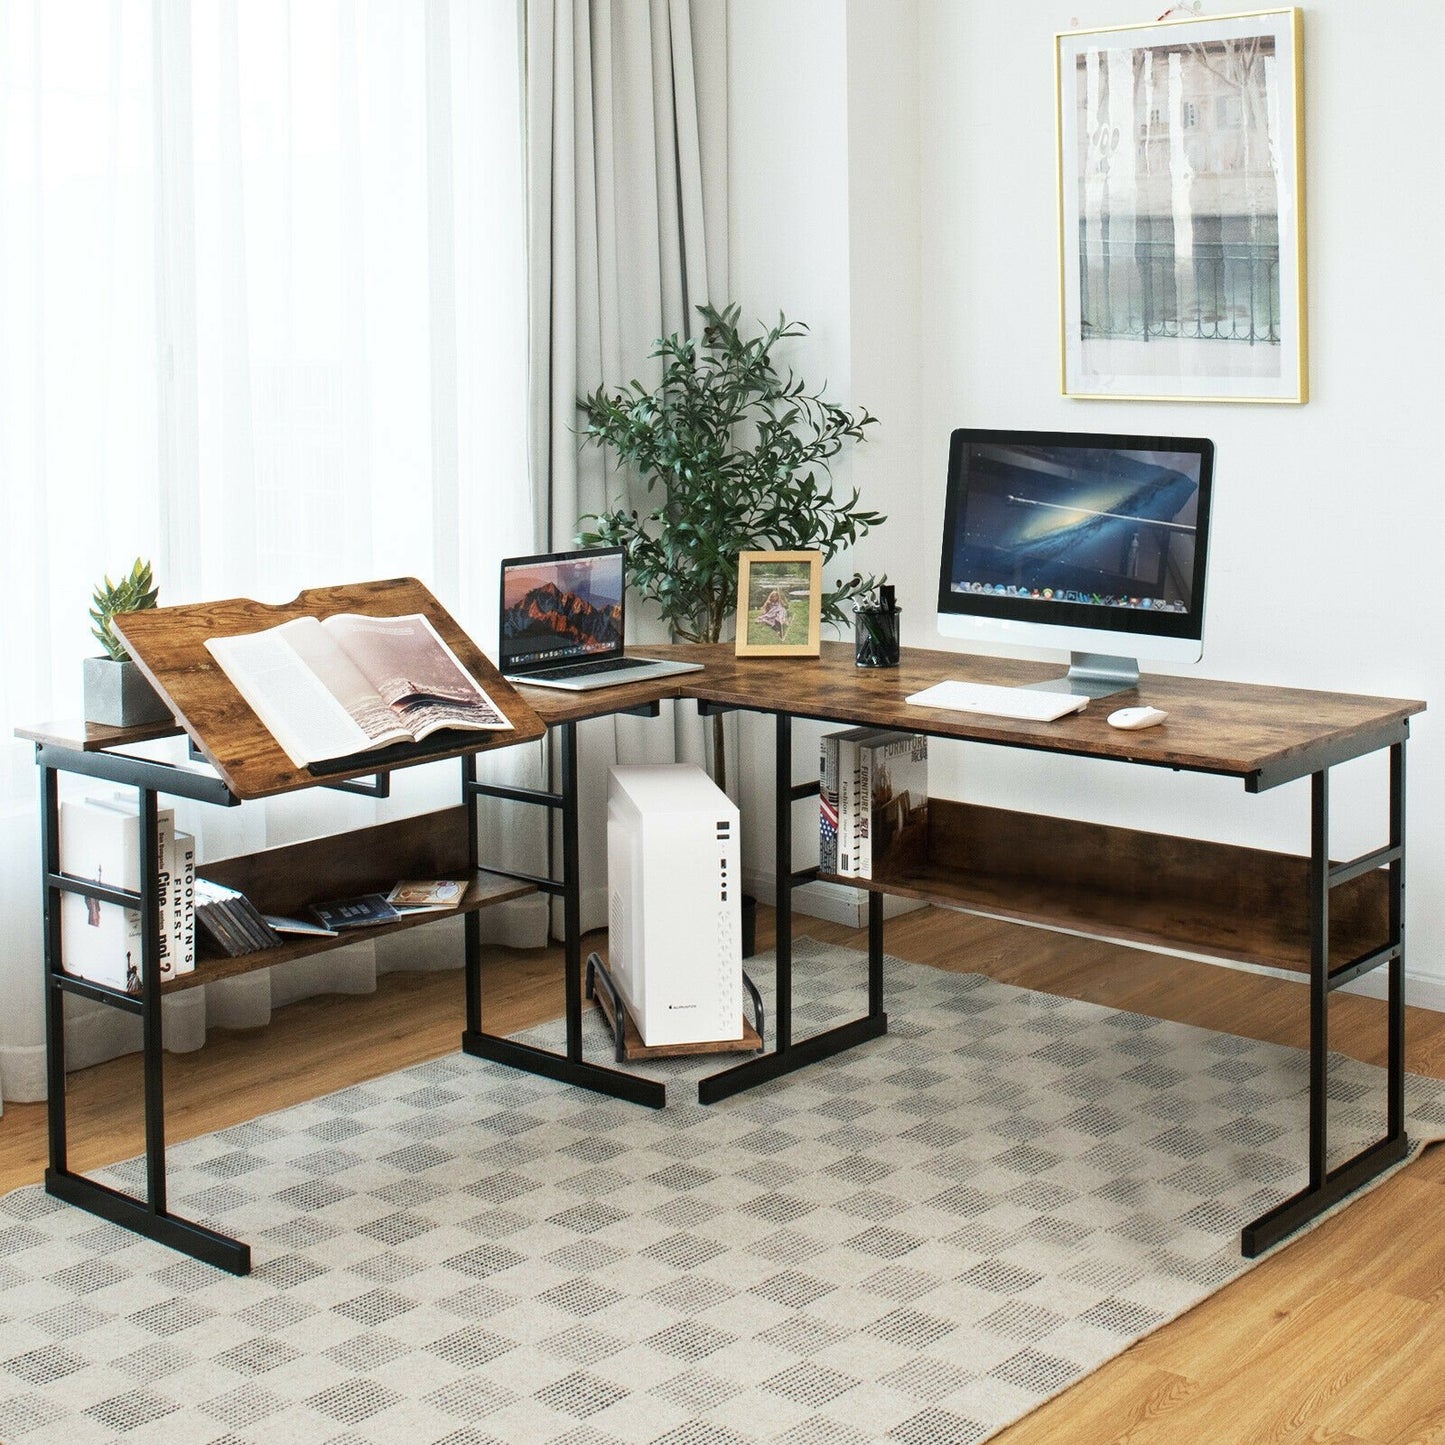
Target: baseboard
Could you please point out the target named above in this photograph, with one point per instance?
(834, 902)
(1420, 991)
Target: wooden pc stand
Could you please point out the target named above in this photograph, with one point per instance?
(628, 1045)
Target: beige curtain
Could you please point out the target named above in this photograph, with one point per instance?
(626, 104)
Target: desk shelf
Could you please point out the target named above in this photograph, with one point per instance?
(485, 890)
(1221, 900)
(287, 880)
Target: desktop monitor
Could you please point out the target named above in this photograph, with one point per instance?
(1093, 543)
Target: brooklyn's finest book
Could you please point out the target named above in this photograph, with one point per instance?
(100, 842)
(348, 684)
(181, 907)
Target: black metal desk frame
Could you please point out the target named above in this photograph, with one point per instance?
(151, 1216)
(789, 1054)
(1325, 1186)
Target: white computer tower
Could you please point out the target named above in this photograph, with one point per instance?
(674, 903)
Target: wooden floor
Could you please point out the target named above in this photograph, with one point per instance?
(1338, 1338)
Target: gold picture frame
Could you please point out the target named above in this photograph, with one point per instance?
(1181, 209)
(780, 604)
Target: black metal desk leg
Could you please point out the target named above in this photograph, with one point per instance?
(1396, 975)
(472, 922)
(787, 1055)
(152, 1052)
(571, 892)
(875, 954)
(54, 999)
(783, 872)
(148, 1216)
(1326, 1186)
(568, 1067)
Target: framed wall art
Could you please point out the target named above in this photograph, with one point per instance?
(1181, 209)
(780, 604)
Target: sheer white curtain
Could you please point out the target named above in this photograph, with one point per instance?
(626, 104)
(262, 320)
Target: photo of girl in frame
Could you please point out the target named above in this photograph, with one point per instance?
(779, 604)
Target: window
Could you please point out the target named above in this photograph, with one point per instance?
(261, 269)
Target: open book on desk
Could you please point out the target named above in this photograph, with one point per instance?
(349, 684)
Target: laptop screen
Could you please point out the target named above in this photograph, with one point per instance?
(560, 607)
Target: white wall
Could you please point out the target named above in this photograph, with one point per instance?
(788, 240)
(1326, 515)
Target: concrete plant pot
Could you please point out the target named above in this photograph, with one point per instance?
(117, 694)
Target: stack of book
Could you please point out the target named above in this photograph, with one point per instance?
(229, 924)
(872, 802)
(100, 842)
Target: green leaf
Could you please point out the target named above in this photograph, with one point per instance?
(133, 593)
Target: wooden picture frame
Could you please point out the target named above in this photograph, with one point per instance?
(1181, 209)
(780, 604)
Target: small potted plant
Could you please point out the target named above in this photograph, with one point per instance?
(117, 693)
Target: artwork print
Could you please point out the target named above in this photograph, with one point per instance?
(1182, 211)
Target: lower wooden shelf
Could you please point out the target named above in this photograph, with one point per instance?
(485, 890)
(1217, 899)
(287, 880)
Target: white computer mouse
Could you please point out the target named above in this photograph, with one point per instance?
(1136, 717)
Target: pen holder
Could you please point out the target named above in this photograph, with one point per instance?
(875, 636)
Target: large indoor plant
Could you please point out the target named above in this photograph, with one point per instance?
(732, 452)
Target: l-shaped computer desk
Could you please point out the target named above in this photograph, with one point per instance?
(1333, 921)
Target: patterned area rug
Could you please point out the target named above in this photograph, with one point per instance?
(917, 1242)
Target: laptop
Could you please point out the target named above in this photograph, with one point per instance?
(562, 623)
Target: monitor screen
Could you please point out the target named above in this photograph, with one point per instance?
(1068, 538)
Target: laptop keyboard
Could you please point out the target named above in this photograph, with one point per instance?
(588, 669)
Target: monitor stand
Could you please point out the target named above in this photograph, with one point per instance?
(1094, 674)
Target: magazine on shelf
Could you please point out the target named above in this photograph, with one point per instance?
(828, 819)
(349, 684)
(303, 927)
(362, 912)
(427, 895)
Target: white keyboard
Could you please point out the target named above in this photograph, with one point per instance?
(980, 697)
